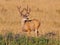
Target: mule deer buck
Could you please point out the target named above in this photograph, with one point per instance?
(27, 24)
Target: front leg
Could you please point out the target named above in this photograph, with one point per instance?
(28, 33)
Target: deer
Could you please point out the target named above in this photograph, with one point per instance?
(27, 24)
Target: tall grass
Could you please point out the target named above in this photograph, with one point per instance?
(17, 39)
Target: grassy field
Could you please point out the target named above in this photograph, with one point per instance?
(17, 39)
(46, 11)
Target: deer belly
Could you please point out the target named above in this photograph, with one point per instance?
(29, 27)
(32, 26)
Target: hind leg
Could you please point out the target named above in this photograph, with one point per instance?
(36, 33)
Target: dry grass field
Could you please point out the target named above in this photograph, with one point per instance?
(46, 11)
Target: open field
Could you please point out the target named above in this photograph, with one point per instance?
(46, 11)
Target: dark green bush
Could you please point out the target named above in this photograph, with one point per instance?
(1, 37)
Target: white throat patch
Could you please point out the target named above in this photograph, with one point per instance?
(24, 19)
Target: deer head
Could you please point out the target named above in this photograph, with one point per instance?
(24, 12)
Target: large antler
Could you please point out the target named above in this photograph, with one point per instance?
(27, 10)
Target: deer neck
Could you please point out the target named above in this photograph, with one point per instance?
(23, 20)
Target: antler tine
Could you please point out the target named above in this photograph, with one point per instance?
(28, 9)
(19, 9)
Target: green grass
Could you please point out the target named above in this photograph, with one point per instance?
(17, 39)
